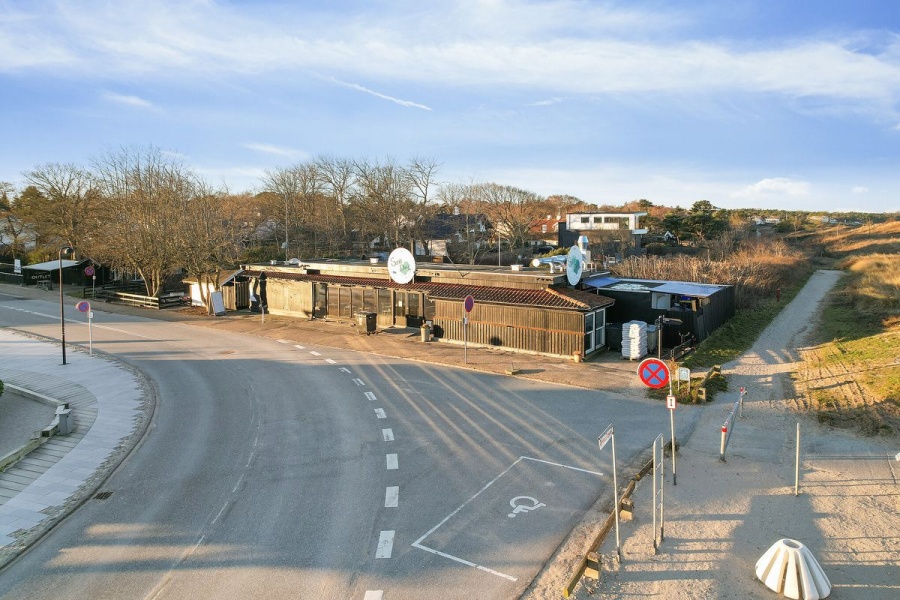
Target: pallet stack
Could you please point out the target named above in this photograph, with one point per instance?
(634, 340)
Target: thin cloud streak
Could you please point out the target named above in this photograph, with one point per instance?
(128, 100)
(356, 86)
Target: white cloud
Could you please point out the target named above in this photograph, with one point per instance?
(859, 189)
(775, 186)
(274, 150)
(572, 47)
(128, 100)
(548, 102)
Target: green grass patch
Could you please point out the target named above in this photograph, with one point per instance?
(714, 384)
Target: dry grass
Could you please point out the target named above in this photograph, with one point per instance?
(852, 375)
(757, 270)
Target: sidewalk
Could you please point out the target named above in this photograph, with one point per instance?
(110, 410)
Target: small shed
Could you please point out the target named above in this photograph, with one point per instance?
(73, 272)
(701, 307)
(235, 289)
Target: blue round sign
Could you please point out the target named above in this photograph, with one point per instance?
(469, 303)
(83, 306)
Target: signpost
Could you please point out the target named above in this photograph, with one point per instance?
(468, 305)
(654, 373)
(85, 307)
(90, 272)
(607, 435)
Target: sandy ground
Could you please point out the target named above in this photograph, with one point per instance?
(723, 515)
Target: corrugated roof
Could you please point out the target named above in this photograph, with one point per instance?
(565, 299)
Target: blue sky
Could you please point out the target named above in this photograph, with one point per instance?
(783, 104)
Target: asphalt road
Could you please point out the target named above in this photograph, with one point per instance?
(271, 470)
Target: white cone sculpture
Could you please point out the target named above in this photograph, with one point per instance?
(789, 567)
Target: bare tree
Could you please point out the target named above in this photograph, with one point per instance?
(384, 200)
(211, 233)
(512, 211)
(145, 196)
(286, 185)
(61, 213)
(336, 176)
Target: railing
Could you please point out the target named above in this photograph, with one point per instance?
(164, 300)
(100, 292)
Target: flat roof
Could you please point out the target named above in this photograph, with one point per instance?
(683, 288)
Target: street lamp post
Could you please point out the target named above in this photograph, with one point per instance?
(67, 250)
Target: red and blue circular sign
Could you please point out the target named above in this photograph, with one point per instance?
(469, 303)
(83, 306)
(89, 271)
(654, 373)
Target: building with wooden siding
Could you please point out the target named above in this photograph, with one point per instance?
(521, 308)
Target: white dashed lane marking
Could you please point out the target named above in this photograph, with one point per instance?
(385, 544)
(379, 412)
(299, 347)
(370, 396)
(331, 361)
(388, 435)
(374, 595)
(314, 353)
(359, 382)
(391, 460)
(345, 369)
(392, 496)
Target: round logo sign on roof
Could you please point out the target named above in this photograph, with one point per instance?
(654, 373)
(401, 266)
(574, 265)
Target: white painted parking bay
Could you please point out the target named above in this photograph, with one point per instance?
(515, 520)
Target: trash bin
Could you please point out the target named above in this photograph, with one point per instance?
(66, 422)
(366, 322)
(426, 332)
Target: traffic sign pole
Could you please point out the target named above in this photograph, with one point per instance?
(468, 305)
(85, 307)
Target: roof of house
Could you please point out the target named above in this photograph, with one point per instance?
(224, 276)
(53, 265)
(562, 298)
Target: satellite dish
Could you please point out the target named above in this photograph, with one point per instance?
(401, 266)
(294, 261)
(574, 265)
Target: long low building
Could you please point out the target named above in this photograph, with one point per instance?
(530, 309)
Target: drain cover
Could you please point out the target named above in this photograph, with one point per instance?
(103, 495)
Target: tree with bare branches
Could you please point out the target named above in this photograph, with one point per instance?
(145, 197)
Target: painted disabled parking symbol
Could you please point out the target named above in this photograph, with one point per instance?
(523, 504)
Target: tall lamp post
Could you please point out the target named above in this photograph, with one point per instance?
(67, 250)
